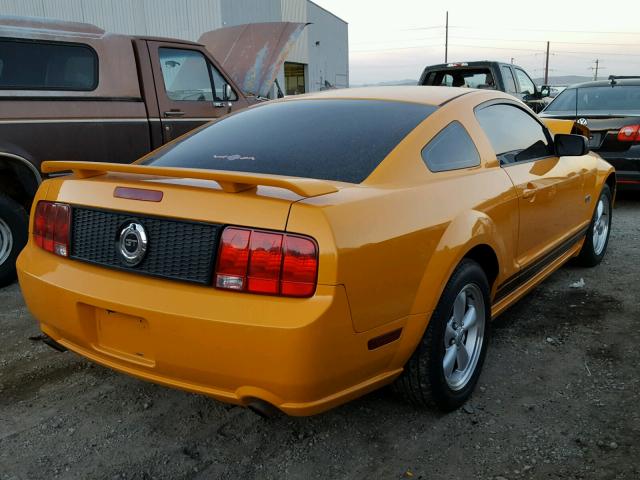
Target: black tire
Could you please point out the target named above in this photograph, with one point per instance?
(589, 255)
(423, 382)
(14, 218)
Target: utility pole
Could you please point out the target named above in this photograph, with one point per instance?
(595, 75)
(511, 60)
(446, 38)
(546, 67)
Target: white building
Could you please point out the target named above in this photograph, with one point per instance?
(319, 60)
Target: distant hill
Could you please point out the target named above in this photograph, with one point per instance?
(564, 80)
(387, 84)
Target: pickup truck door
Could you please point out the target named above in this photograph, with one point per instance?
(190, 88)
(551, 198)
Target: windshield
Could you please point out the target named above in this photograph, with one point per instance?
(343, 140)
(597, 100)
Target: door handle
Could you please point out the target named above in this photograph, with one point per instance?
(174, 113)
(529, 191)
(222, 104)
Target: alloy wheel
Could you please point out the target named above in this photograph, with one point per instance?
(6, 241)
(601, 225)
(463, 337)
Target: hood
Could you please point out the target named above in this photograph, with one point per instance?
(252, 54)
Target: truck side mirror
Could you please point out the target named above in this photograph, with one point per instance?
(228, 92)
(545, 91)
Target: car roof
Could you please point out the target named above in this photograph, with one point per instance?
(478, 63)
(427, 95)
(619, 82)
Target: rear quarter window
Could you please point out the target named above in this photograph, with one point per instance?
(343, 140)
(36, 65)
(451, 149)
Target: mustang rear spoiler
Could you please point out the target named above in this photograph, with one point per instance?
(231, 182)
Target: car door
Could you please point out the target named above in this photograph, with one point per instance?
(509, 81)
(550, 188)
(191, 90)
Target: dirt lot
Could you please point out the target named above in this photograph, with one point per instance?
(558, 398)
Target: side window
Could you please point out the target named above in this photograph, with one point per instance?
(526, 85)
(36, 65)
(514, 134)
(186, 75)
(509, 82)
(223, 91)
(451, 149)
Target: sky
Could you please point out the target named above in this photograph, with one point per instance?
(395, 39)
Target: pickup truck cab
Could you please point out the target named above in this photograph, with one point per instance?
(505, 77)
(71, 91)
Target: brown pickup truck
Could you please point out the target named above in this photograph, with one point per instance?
(71, 91)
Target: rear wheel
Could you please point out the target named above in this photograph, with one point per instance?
(445, 367)
(13, 237)
(597, 237)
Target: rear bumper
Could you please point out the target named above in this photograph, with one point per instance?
(300, 355)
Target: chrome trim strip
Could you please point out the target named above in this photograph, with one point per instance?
(75, 120)
(105, 120)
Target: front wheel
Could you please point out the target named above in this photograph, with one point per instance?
(13, 237)
(445, 367)
(597, 237)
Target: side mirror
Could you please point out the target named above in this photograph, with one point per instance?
(228, 92)
(568, 145)
(545, 91)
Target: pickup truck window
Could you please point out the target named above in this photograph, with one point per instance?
(462, 77)
(526, 85)
(509, 82)
(333, 139)
(39, 65)
(220, 86)
(514, 135)
(451, 149)
(186, 75)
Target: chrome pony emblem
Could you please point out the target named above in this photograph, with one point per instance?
(132, 244)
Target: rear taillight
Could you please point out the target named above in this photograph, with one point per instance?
(51, 227)
(630, 133)
(271, 263)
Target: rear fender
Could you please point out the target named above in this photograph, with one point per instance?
(468, 230)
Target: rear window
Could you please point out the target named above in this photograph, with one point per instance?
(34, 65)
(467, 77)
(451, 149)
(343, 140)
(602, 100)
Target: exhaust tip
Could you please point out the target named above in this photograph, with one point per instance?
(263, 409)
(53, 344)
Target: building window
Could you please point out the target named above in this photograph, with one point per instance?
(294, 78)
(36, 65)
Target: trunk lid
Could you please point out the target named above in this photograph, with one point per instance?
(181, 211)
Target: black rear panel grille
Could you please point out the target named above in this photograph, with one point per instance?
(176, 249)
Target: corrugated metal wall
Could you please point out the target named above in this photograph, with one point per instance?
(327, 60)
(328, 50)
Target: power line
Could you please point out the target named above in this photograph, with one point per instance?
(545, 30)
(433, 27)
(538, 41)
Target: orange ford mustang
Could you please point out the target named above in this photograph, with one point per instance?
(303, 252)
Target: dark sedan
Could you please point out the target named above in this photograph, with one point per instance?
(611, 111)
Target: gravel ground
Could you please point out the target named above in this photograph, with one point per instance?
(558, 398)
